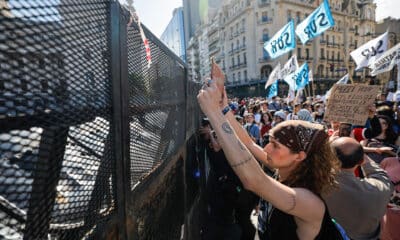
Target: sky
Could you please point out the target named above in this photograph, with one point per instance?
(156, 14)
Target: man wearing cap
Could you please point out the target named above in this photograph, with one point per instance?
(279, 116)
(358, 204)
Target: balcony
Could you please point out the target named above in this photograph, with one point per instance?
(264, 3)
(322, 42)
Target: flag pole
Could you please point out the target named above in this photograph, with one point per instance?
(346, 57)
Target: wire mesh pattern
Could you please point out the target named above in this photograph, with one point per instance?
(57, 166)
(157, 104)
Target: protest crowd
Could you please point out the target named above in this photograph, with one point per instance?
(365, 201)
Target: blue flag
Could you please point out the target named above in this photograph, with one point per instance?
(273, 90)
(315, 24)
(282, 42)
(299, 77)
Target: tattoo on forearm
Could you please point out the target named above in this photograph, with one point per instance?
(225, 126)
(241, 146)
(293, 202)
(241, 163)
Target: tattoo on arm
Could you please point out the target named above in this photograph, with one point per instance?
(241, 146)
(225, 126)
(293, 202)
(242, 162)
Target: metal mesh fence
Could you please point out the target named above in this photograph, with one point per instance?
(156, 103)
(56, 164)
(64, 160)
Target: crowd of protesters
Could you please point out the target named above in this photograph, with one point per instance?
(363, 199)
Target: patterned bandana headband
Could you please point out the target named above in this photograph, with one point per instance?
(299, 135)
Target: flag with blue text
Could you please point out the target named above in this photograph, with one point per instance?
(368, 52)
(299, 78)
(282, 42)
(273, 90)
(316, 23)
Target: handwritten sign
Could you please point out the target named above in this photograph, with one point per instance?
(349, 103)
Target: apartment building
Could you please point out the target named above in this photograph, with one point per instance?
(240, 28)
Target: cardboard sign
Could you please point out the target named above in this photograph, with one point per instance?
(349, 103)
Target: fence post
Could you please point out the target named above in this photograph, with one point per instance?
(120, 129)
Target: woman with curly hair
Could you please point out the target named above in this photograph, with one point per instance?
(305, 165)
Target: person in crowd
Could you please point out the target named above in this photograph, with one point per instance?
(307, 105)
(279, 116)
(388, 111)
(229, 205)
(391, 220)
(264, 106)
(293, 114)
(252, 127)
(306, 166)
(266, 125)
(333, 130)
(382, 145)
(274, 105)
(358, 204)
(318, 114)
(304, 115)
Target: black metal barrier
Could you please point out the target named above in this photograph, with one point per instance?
(94, 144)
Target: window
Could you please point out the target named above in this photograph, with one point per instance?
(239, 76)
(265, 54)
(237, 44)
(327, 54)
(322, 53)
(243, 23)
(231, 46)
(265, 35)
(333, 39)
(298, 19)
(333, 55)
(307, 53)
(245, 75)
(233, 77)
(264, 17)
(238, 59)
(244, 58)
(338, 55)
(299, 52)
(244, 41)
(289, 15)
(233, 62)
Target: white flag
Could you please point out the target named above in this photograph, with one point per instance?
(387, 61)
(290, 66)
(368, 52)
(274, 75)
(310, 76)
(343, 80)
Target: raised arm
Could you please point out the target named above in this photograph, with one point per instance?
(296, 201)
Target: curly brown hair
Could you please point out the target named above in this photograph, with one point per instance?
(317, 172)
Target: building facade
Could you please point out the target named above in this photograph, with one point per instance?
(244, 26)
(174, 36)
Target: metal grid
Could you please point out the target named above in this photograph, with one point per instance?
(156, 104)
(57, 168)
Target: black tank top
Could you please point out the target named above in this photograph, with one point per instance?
(282, 226)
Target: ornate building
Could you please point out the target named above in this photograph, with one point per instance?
(237, 32)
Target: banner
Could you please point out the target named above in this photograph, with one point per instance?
(274, 75)
(387, 61)
(273, 90)
(368, 52)
(282, 42)
(299, 78)
(316, 23)
(290, 67)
